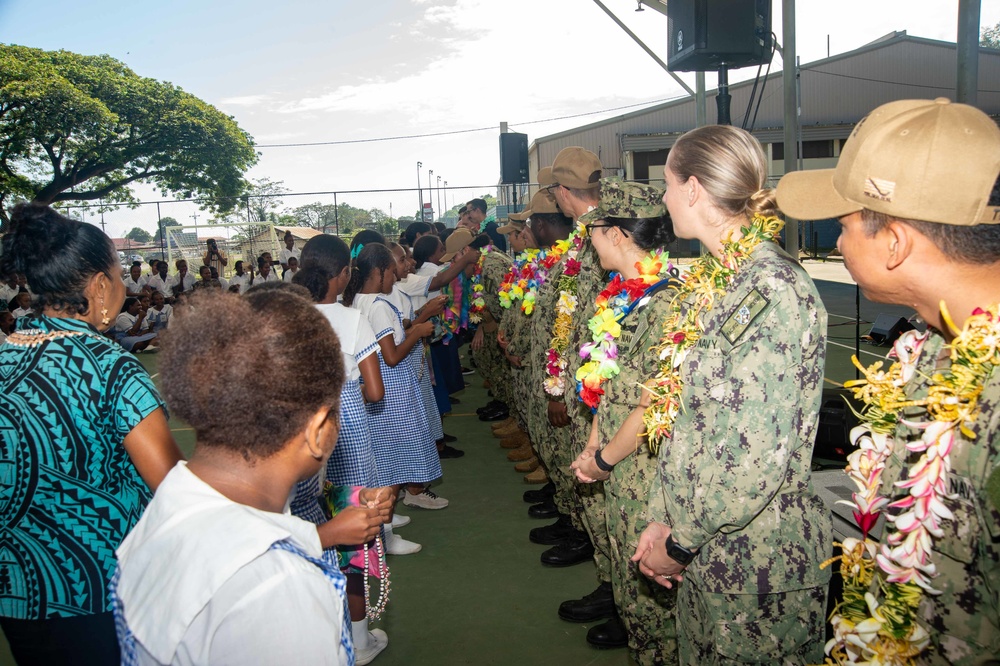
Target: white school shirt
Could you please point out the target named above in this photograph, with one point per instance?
(272, 276)
(200, 584)
(124, 322)
(242, 280)
(133, 286)
(157, 283)
(427, 269)
(8, 293)
(381, 317)
(285, 253)
(289, 275)
(176, 280)
(22, 312)
(357, 339)
(159, 319)
(416, 284)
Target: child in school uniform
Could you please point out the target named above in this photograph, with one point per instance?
(405, 453)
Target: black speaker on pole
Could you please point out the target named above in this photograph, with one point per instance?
(513, 157)
(708, 34)
(887, 328)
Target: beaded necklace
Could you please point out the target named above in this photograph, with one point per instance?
(708, 279)
(613, 305)
(31, 337)
(885, 630)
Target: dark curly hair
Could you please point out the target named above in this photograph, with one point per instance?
(222, 382)
(57, 255)
(323, 258)
(373, 257)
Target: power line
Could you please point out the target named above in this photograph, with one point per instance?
(464, 131)
(897, 83)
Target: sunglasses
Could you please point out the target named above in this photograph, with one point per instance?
(590, 228)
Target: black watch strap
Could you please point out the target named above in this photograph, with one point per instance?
(679, 553)
(601, 463)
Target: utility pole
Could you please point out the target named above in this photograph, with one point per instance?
(420, 193)
(969, 12)
(439, 197)
(430, 193)
(789, 74)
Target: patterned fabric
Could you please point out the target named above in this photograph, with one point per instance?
(71, 493)
(646, 608)
(352, 462)
(130, 654)
(735, 480)
(404, 449)
(964, 620)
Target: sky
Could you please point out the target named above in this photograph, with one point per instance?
(344, 70)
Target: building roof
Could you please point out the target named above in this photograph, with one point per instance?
(836, 92)
(299, 233)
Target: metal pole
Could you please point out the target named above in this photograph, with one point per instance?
(645, 48)
(159, 226)
(791, 112)
(968, 51)
(723, 99)
(439, 197)
(430, 193)
(700, 110)
(420, 193)
(336, 213)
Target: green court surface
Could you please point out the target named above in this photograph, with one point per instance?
(477, 593)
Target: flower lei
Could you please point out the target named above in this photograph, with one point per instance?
(478, 302)
(513, 283)
(455, 316)
(535, 271)
(865, 630)
(562, 328)
(605, 327)
(708, 279)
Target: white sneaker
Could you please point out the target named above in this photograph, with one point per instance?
(425, 500)
(397, 545)
(377, 641)
(399, 520)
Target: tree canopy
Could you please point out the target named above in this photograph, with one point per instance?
(77, 127)
(139, 235)
(990, 37)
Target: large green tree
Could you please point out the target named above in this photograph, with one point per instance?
(139, 235)
(77, 127)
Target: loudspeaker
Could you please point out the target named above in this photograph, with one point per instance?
(887, 328)
(833, 436)
(706, 34)
(513, 157)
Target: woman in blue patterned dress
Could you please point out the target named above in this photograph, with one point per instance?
(84, 441)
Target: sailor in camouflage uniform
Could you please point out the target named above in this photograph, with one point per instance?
(932, 235)
(733, 508)
(486, 351)
(628, 224)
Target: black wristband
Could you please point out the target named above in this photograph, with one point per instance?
(601, 464)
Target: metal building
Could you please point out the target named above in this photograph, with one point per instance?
(836, 93)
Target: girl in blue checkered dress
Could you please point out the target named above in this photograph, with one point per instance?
(325, 271)
(405, 452)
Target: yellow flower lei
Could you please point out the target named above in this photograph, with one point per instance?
(707, 280)
(871, 630)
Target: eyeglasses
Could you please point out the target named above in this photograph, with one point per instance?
(590, 228)
(551, 187)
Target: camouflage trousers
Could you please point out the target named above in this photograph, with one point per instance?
(646, 609)
(593, 502)
(492, 366)
(785, 629)
(519, 395)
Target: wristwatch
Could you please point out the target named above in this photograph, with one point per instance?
(679, 553)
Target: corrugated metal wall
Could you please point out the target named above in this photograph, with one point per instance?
(836, 93)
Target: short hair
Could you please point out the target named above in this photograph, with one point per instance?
(478, 204)
(177, 264)
(425, 248)
(730, 164)
(414, 228)
(462, 210)
(440, 226)
(57, 255)
(238, 264)
(221, 382)
(323, 258)
(975, 244)
(553, 218)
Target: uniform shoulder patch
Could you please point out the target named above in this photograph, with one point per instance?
(746, 312)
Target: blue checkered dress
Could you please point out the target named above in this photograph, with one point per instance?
(352, 462)
(427, 396)
(401, 436)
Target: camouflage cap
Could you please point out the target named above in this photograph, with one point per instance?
(626, 199)
(577, 168)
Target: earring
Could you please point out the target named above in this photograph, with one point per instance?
(104, 313)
